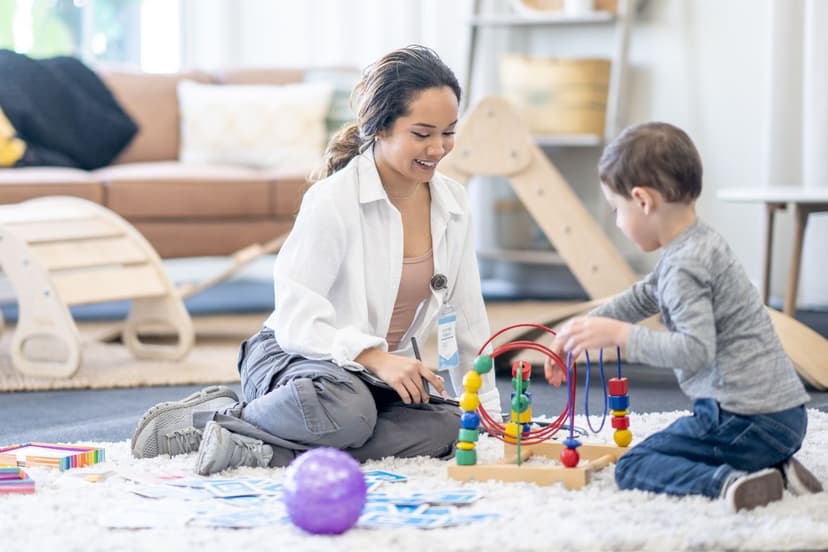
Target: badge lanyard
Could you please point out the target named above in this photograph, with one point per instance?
(447, 354)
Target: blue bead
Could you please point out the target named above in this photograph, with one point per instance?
(572, 443)
(619, 402)
(469, 420)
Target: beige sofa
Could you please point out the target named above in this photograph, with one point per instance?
(183, 210)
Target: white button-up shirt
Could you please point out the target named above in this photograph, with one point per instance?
(338, 273)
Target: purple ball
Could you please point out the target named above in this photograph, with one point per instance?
(324, 491)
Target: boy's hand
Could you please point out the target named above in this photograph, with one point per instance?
(590, 332)
(552, 371)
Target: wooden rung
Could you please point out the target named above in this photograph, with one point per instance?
(79, 287)
(88, 253)
(62, 230)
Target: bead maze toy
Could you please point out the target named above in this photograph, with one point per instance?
(520, 440)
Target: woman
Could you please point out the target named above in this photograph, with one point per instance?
(381, 246)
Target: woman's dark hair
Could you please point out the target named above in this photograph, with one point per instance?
(654, 155)
(387, 88)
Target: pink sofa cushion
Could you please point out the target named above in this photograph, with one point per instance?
(20, 184)
(152, 102)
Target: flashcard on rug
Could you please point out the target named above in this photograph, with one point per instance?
(451, 496)
(381, 475)
(168, 491)
(229, 488)
(268, 486)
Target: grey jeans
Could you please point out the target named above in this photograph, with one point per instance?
(295, 404)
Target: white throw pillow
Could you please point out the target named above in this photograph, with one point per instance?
(257, 125)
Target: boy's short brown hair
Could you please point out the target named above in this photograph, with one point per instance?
(653, 155)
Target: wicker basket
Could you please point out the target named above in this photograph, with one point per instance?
(539, 8)
(557, 95)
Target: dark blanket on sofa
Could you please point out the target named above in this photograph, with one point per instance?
(63, 111)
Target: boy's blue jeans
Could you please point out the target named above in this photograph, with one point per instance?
(696, 454)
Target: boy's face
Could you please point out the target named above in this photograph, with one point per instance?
(631, 216)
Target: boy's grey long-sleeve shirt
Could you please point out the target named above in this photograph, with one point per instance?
(721, 341)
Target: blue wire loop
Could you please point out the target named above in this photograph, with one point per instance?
(603, 386)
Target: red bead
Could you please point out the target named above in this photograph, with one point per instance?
(524, 367)
(620, 422)
(617, 386)
(570, 457)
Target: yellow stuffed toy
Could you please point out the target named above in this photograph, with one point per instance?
(12, 148)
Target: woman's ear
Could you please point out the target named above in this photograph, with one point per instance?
(645, 198)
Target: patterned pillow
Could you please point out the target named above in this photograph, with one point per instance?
(255, 125)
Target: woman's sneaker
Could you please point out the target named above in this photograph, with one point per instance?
(799, 479)
(167, 428)
(222, 449)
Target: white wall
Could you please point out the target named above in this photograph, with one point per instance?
(709, 66)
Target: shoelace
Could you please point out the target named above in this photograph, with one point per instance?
(183, 440)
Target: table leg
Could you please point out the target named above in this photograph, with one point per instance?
(801, 213)
(770, 212)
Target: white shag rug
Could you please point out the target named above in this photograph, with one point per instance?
(68, 513)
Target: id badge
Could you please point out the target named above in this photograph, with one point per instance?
(447, 354)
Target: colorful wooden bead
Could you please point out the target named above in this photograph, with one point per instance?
(468, 435)
(570, 457)
(617, 386)
(620, 402)
(511, 429)
(482, 364)
(523, 417)
(465, 457)
(469, 401)
(620, 422)
(472, 381)
(520, 403)
(619, 412)
(523, 368)
(622, 437)
(571, 442)
(465, 445)
(470, 420)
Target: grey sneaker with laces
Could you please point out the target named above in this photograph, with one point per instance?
(754, 490)
(167, 428)
(221, 449)
(799, 479)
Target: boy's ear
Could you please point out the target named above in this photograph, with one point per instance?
(645, 198)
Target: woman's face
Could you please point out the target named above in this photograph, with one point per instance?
(408, 152)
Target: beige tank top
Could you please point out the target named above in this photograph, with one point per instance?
(414, 289)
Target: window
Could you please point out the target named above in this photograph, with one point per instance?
(142, 33)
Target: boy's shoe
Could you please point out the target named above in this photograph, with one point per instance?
(222, 449)
(167, 428)
(798, 479)
(755, 489)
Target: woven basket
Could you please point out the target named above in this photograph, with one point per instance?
(557, 95)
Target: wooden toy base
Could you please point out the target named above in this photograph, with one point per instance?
(593, 458)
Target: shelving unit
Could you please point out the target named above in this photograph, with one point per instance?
(620, 23)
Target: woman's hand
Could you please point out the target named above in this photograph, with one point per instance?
(404, 375)
(590, 332)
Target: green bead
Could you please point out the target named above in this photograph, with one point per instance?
(482, 364)
(520, 403)
(520, 385)
(466, 457)
(468, 435)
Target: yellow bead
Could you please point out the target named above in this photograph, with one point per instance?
(463, 445)
(512, 429)
(619, 413)
(525, 416)
(472, 381)
(623, 437)
(469, 402)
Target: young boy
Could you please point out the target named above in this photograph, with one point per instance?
(748, 411)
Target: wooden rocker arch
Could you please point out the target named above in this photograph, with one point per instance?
(491, 140)
(59, 252)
